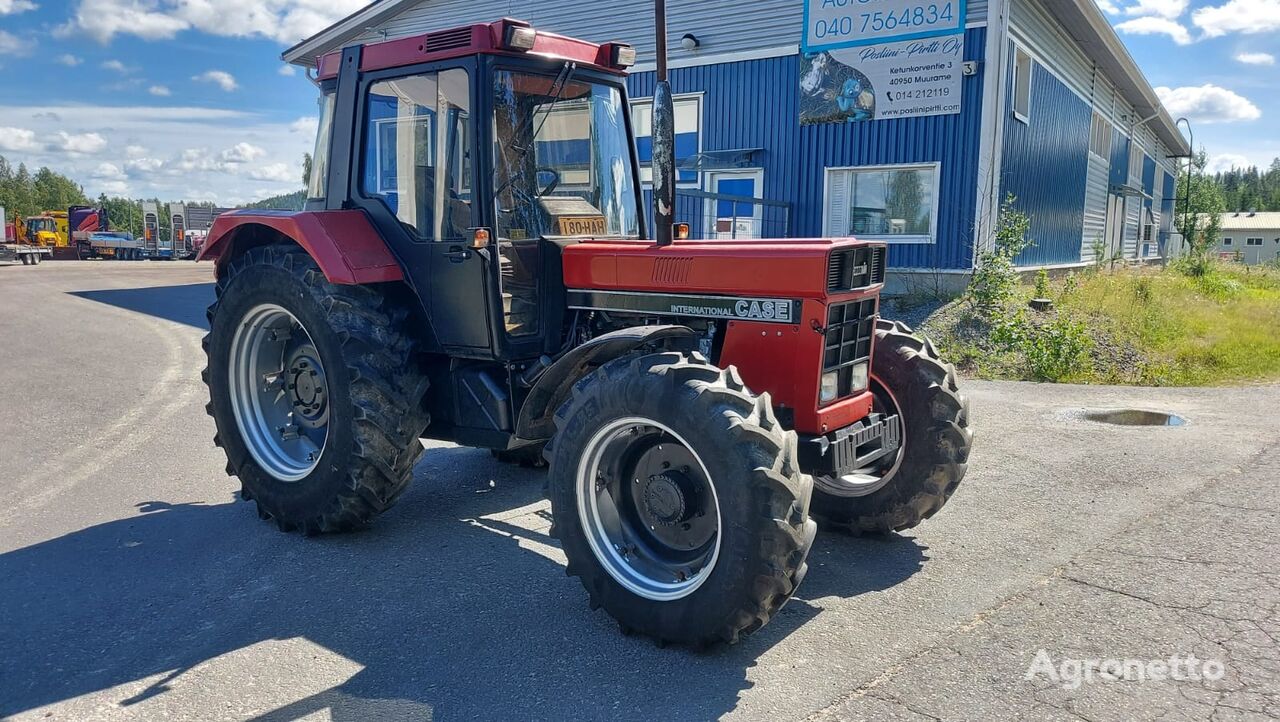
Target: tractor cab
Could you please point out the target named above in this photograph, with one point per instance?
(478, 153)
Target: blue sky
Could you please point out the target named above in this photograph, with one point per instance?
(187, 98)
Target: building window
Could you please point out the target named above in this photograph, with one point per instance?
(887, 203)
(1253, 241)
(1227, 241)
(1022, 64)
(1100, 136)
(1137, 160)
(688, 135)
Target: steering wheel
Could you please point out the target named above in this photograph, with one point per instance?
(555, 181)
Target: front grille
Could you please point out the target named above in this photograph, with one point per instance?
(850, 327)
(853, 268)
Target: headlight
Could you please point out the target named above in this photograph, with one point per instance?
(830, 387)
(858, 380)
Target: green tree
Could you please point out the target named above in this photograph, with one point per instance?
(306, 170)
(1201, 205)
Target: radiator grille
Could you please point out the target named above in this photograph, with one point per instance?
(850, 327)
(853, 268)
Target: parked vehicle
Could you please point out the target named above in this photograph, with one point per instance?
(486, 277)
(114, 245)
(12, 249)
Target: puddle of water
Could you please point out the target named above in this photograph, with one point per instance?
(1134, 417)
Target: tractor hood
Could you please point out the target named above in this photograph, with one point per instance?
(805, 268)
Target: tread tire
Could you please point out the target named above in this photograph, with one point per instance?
(765, 528)
(375, 383)
(936, 439)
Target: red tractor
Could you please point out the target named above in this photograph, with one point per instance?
(474, 266)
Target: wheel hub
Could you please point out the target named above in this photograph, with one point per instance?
(665, 498)
(308, 390)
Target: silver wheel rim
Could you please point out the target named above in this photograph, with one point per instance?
(861, 482)
(665, 561)
(279, 392)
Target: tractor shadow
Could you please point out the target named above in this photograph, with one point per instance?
(184, 304)
(453, 605)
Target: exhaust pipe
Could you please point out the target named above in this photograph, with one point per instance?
(664, 138)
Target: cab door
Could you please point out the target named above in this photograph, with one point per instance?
(416, 180)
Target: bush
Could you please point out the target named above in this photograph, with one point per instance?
(1053, 351)
(1142, 289)
(995, 280)
(1042, 284)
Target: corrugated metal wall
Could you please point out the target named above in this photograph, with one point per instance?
(722, 26)
(1095, 206)
(1046, 165)
(755, 104)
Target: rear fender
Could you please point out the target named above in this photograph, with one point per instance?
(344, 244)
(553, 387)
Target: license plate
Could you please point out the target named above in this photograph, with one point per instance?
(588, 226)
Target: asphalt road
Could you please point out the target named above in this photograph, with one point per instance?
(134, 586)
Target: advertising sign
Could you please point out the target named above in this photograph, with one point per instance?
(879, 59)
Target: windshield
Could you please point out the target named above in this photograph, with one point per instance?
(564, 165)
(40, 224)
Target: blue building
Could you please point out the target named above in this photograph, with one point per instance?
(797, 118)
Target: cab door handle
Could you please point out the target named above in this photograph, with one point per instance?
(457, 254)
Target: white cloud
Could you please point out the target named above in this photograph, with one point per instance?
(116, 66)
(1238, 16)
(113, 187)
(277, 172)
(134, 151)
(141, 166)
(1108, 7)
(1156, 26)
(1256, 58)
(285, 21)
(13, 45)
(13, 7)
(305, 126)
(1224, 162)
(1208, 104)
(241, 153)
(108, 171)
(69, 60)
(221, 78)
(1170, 9)
(288, 70)
(18, 140)
(160, 91)
(81, 143)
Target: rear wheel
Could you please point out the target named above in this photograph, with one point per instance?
(912, 382)
(677, 497)
(28, 259)
(314, 390)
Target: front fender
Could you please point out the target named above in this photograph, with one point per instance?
(553, 387)
(346, 246)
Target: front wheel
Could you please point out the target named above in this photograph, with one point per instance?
(314, 391)
(911, 382)
(678, 499)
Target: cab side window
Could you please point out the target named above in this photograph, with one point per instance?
(417, 152)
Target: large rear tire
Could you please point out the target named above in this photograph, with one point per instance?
(678, 499)
(912, 381)
(315, 391)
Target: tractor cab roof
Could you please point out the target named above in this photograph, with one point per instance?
(507, 37)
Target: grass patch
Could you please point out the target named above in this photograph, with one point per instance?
(1134, 326)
